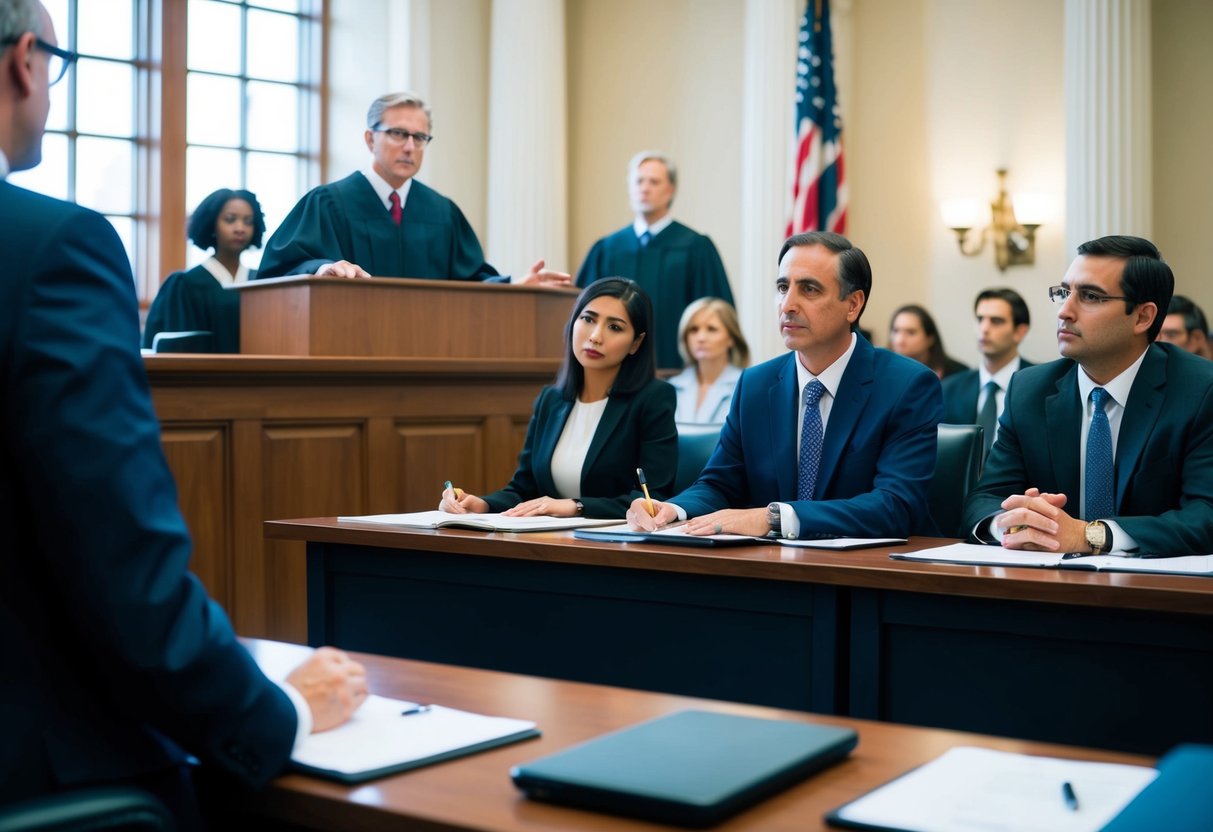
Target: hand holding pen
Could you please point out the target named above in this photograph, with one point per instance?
(457, 501)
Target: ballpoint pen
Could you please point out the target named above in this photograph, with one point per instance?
(416, 709)
(458, 491)
(644, 486)
(1067, 794)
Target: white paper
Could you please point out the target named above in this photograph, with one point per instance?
(979, 555)
(486, 522)
(969, 789)
(842, 542)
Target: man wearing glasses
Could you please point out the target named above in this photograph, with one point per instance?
(116, 665)
(380, 222)
(1109, 449)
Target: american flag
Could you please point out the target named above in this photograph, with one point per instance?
(819, 191)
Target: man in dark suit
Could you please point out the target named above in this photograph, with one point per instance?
(1110, 448)
(674, 264)
(836, 437)
(381, 222)
(976, 396)
(116, 665)
(1185, 326)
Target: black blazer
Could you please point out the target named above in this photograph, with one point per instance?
(114, 658)
(960, 392)
(1164, 452)
(636, 431)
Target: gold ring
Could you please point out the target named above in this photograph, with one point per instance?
(1014, 529)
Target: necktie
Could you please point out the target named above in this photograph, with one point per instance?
(1100, 502)
(394, 201)
(644, 239)
(810, 441)
(987, 417)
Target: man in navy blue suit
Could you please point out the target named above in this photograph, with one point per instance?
(116, 665)
(1109, 449)
(836, 437)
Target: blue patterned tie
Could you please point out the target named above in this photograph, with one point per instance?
(1100, 503)
(810, 441)
(644, 239)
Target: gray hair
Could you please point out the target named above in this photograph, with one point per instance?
(18, 17)
(653, 156)
(374, 116)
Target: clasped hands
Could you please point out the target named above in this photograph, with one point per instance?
(747, 521)
(1036, 520)
(332, 684)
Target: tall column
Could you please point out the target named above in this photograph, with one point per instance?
(528, 129)
(771, 28)
(1107, 76)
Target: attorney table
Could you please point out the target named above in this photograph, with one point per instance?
(1122, 661)
(475, 793)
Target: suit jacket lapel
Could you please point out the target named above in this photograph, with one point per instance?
(1141, 412)
(611, 416)
(783, 405)
(1063, 423)
(542, 464)
(853, 393)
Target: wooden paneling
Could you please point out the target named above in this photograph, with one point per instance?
(252, 438)
(198, 457)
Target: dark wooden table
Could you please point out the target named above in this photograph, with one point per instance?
(1122, 661)
(475, 793)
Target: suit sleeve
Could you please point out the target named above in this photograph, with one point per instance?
(653, 433)
(522, 486)
(106, 527)
(315, 233)
(724, 482)
(1004, 472)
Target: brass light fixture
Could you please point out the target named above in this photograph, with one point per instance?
(1014, 241)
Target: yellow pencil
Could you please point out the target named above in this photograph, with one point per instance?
(644, 486)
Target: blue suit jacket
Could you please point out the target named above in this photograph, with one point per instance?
(960, 393)
(878, 456)
(636, 431)
(1164, 452)
(114, 659)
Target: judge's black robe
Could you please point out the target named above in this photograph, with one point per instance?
(676, 267)
(195, 300)
(345, 220)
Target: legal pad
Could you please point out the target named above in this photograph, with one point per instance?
(691, 768)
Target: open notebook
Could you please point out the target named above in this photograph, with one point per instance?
(973, 554)
(479, 522)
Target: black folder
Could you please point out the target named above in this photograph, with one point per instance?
(691, 768)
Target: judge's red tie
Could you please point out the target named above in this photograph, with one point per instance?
(394, 200)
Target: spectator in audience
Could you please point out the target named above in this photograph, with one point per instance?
(715, 352)
(228, 221)
(912, 333)
(606, 415)
(1186, 327)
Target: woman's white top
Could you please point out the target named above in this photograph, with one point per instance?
(568, 458)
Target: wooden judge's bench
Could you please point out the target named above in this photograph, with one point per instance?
(348, 397)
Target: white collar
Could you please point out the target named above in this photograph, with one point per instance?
(221, 273)
(384, 189)
(1003, 377)
(640, 226)
(1118, 388)
(831, 376)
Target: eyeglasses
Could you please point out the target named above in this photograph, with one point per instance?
(1086, 297)
(60, 59)
(398, 136)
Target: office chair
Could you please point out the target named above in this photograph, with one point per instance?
(112, 809)
(695, 445)
(194, 340)
(957, 468)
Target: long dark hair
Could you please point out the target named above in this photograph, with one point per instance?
(202, 221)
(637, 369)
(936, 358)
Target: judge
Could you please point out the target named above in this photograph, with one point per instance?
(380, 222)
(672, 263)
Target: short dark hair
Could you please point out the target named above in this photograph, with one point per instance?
(936, 357)
(1146, 277)
(854, 270)
(637, 369)
(202, 221)
(1019, 309)
(1194, 318)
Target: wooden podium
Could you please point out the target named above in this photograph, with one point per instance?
(395, 317)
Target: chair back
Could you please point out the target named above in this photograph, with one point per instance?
(695, 445)
(113, 809)
(194, 340)
(957, 468)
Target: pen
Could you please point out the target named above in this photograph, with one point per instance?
(1067, 794)
(644, 486)
(421, 709)
(458, 491)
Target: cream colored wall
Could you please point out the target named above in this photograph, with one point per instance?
(663, 75)
(1183, 123)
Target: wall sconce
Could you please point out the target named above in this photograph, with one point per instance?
(1014, 241)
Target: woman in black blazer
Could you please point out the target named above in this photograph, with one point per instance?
(605, 416)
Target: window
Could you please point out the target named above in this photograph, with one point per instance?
(172, 99)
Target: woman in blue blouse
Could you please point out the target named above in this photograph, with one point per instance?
(714, 351)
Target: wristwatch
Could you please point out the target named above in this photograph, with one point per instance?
(774, 519)
(1099, 537)
(578, 508)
